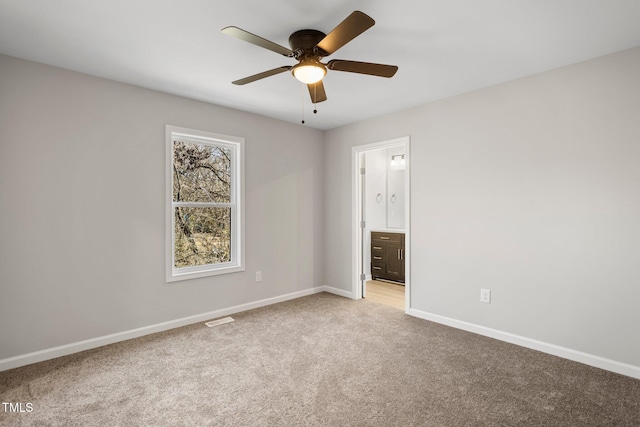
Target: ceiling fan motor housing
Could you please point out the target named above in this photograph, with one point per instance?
(303, 43)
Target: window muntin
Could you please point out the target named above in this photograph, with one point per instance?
(205, 220)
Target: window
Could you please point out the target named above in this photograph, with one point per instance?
(204, 204)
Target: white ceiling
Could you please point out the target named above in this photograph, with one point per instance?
(442, 47)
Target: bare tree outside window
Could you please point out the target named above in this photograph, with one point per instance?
(202, 204)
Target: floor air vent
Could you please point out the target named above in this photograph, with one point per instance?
(219, 322)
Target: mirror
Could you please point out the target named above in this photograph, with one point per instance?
(395, 202)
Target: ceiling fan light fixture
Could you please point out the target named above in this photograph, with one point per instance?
(309, 71)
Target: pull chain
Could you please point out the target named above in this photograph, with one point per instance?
(315, 96)
(302, 106)
(315, 105)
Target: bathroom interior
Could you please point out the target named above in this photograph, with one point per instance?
(384, 233)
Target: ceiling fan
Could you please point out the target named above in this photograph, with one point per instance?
(309, 46)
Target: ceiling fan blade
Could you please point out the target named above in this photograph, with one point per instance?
(380, 70)
(353, 25)
(262, 75)
(316, 90)
(241, 34)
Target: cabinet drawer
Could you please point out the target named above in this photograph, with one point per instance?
(377, 236)
(378, 249)
(377, 268)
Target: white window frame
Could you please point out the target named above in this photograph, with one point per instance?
(236, 144)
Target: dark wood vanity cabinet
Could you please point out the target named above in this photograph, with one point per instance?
(387, 256)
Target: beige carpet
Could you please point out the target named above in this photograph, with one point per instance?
(321, 360)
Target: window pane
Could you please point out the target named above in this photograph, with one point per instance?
(202, 236)
(201, 173)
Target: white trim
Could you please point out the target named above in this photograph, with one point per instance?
(64, 350)
(566, 353)
(555, 350)
(339, 292)
(355, 213)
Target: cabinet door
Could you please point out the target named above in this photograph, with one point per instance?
(394, 261)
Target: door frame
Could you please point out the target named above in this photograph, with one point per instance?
(356, 213)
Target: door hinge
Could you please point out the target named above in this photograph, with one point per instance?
(363, 224)
(363, 277)
(362, 171)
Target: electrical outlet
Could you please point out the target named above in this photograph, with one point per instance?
(258, 276)
(485, 296)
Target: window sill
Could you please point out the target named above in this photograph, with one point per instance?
(177, 276)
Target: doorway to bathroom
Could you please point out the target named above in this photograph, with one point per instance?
(381, 222)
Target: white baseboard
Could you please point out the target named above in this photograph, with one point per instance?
(566, 353)
(64, 350)
(336, 291)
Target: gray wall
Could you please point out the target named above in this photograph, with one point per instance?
(82, 210)
(529, 189)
